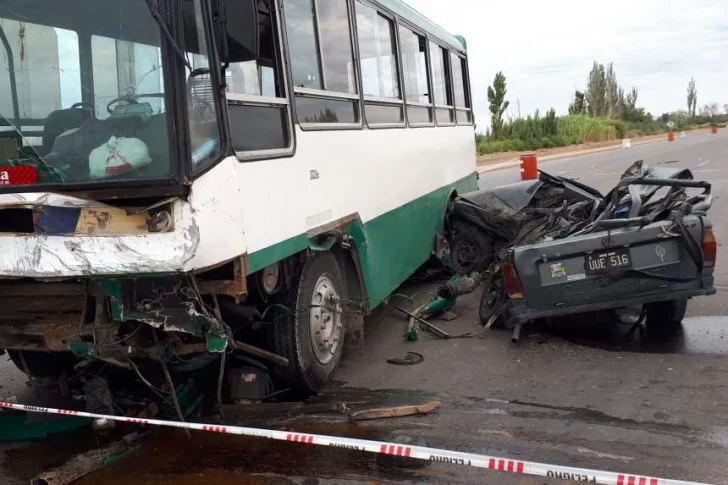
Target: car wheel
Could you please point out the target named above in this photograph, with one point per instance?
(471, 251)
(666, 313)
(494, 297)
(312, 337)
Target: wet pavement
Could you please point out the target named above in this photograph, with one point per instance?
(696, 335)
(586, 391)
(565, 394)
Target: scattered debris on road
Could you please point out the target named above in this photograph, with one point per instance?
(395, 412)
(412, 358)
(85, 463)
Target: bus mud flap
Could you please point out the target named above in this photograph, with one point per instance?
(355, 330)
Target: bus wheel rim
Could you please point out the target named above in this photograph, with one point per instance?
(325, 319)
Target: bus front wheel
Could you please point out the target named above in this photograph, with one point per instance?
(311, 335)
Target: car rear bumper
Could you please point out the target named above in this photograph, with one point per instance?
(519, 312)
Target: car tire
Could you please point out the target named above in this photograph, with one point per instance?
(471, 251)
(666, 313)
(311, 337)
(494, 296)
(42, 364)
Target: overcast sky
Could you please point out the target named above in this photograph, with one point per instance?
(546, 49)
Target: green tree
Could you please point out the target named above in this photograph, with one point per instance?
(578, 106)
(681, 119)
(596, 91)
(692, 97)
(498, 104)
(612, 93)
(631, 99)
(630, 112)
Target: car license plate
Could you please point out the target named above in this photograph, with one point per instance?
(599, 263)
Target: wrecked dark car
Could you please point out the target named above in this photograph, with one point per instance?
(553, 246)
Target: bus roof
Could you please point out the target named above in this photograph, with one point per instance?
(417, 19)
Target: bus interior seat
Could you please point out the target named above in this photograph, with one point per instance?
(153, 132)
(60, 121)
(74, 148)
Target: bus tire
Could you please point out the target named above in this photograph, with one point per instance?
(312, 337)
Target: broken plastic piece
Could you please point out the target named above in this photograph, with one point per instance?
(395, 412)
(438, 305)
(81, 349)
(412, 358)
(15, 425)
(216, 343)
(83, 464)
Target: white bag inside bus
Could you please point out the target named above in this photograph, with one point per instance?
(118, 155)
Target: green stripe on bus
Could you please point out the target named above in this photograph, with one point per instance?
(391, 247)
(272, 254)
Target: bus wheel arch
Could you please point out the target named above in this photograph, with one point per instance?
(346, 238)
(449, 200)
(356, 303)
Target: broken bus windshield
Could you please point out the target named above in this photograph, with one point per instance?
(81, 93)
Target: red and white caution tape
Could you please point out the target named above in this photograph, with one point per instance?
(419, 452)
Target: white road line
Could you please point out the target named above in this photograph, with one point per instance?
(704, 163)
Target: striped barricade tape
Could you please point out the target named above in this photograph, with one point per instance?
(419, 452)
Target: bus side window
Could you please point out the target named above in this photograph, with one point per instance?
(322, 62)
(379, 69)
(441, 83)
(416, 77)
(256, 90)
(461, 89)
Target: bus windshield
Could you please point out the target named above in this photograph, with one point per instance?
(81, 93)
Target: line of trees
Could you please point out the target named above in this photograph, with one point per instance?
(603, 110)
(538, 130)
(709, 113)
(604, 97)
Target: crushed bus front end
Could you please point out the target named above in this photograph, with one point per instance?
(101, 282)
(114, 252)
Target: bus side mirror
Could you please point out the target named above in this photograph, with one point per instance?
(237, 41)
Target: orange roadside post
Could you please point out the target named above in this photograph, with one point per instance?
(529, 167)
(713, 128)
(670, 135)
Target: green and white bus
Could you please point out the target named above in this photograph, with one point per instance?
(182, 178)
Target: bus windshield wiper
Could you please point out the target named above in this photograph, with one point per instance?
(154, 10)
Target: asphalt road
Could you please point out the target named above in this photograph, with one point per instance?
(580, 393)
